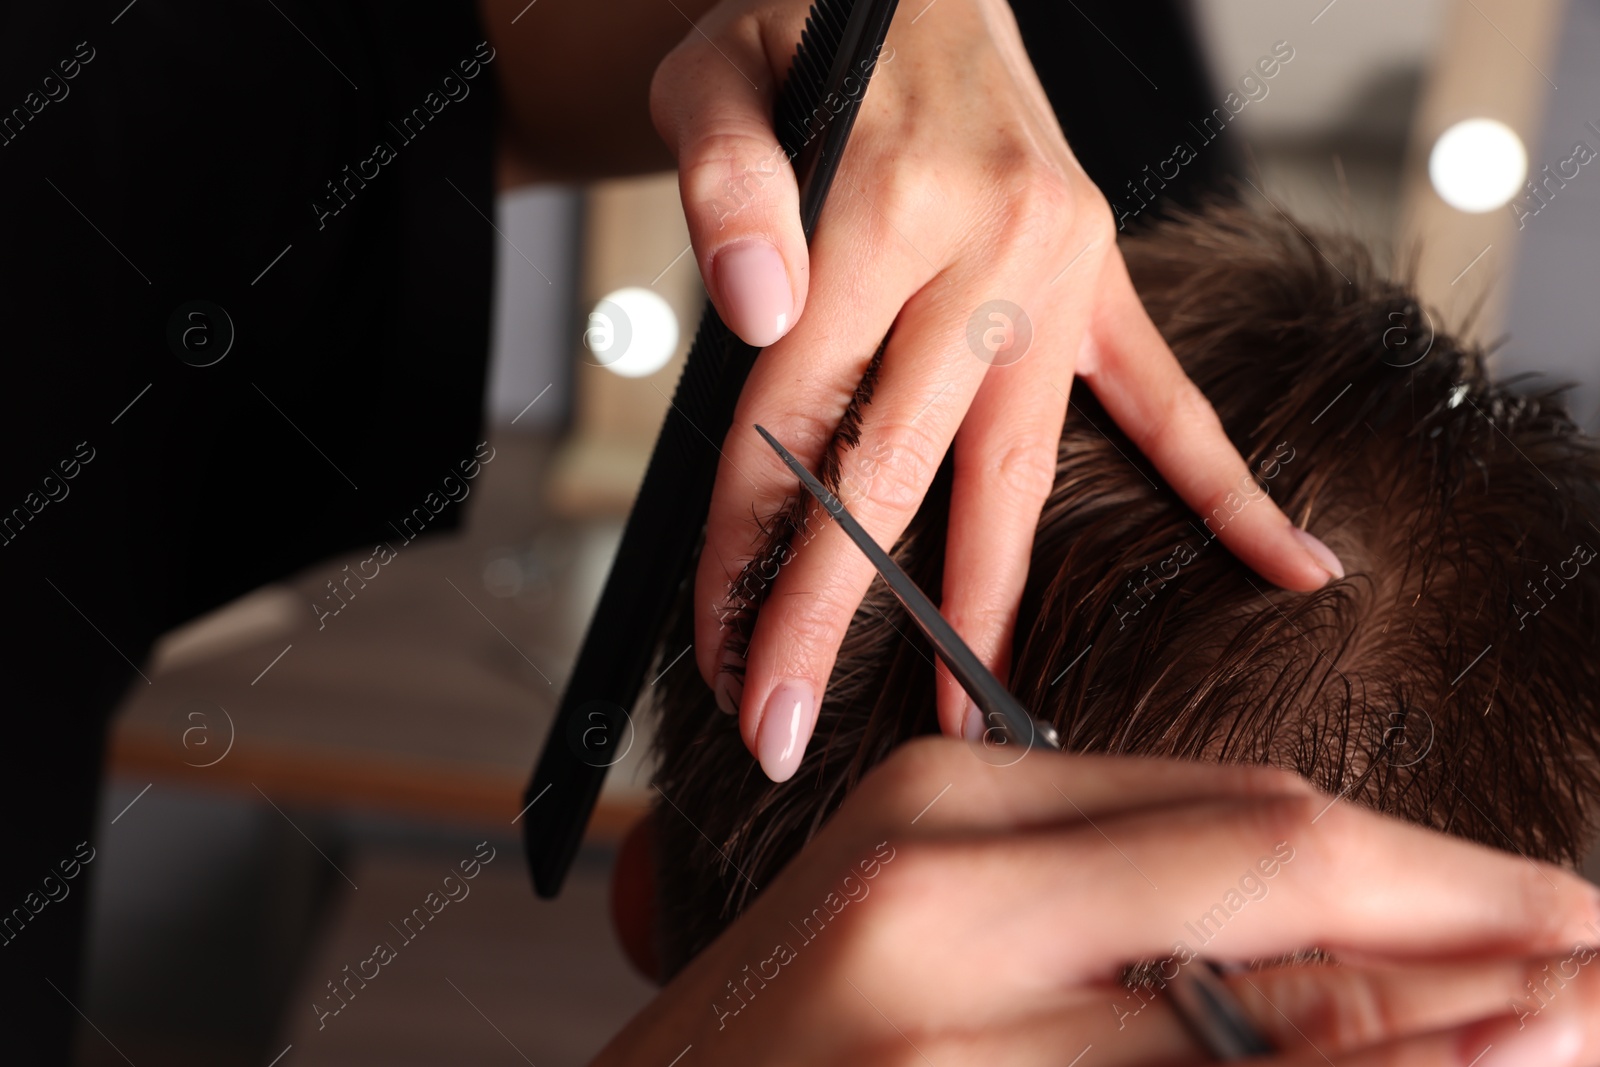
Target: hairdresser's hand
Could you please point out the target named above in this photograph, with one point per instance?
(957, 913)
(961, 218)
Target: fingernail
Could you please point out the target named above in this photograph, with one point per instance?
(756, 297)
(972, 722)
(1552, 1041)
(785, 729)
(1321, 553)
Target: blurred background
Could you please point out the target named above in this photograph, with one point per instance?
(291, 787)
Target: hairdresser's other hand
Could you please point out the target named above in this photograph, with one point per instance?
(953, 912)
(961, 218)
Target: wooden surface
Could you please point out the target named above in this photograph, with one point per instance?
(428, 695)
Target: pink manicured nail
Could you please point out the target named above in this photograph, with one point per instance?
(785, 728)
(756, 298)
(1321, 553)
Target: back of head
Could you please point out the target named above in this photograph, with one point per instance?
(1449, 678)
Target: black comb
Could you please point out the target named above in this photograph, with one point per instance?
(813, 116)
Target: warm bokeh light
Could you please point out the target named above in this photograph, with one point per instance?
(632, 331)
(1478, 165)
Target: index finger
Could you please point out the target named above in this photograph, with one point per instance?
(1147, 846)
(1234, 879)
(1140, 383)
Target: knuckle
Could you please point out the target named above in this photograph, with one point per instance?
(805, 433)
(975, 621)
(1041, 208)
(907, 192)
(900, 788)
(902, 782)
(723, 165)
(1096, 222)
(1179, 420)
(905, 472)
(810, 637)
(1268, 780)
(1296, 820)
(1026, 471)
(1185, 409)
(746, 460)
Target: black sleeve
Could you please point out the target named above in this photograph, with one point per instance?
(245, 304)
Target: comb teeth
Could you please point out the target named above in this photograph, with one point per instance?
(813, 59)
(710, 352)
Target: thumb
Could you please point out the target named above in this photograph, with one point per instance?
(712, 104)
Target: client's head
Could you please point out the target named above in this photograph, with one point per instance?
(1449, 678)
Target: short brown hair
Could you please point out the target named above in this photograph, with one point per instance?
(1449, 678)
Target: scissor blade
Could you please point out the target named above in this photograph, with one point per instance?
(984, 688)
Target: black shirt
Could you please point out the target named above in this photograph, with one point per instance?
(245, 299)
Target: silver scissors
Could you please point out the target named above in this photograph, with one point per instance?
(1207, 1006)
